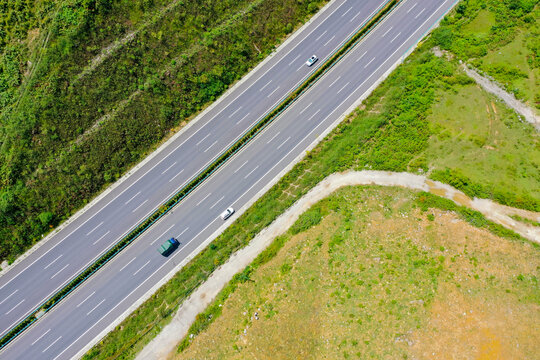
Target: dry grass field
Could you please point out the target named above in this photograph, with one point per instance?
(375, 277)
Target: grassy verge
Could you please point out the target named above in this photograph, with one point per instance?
(373, 272)
(51, 163)
(393, 130)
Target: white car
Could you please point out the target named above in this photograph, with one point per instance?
(227, 213)
(312, 60)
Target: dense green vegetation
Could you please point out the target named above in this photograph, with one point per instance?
(400, 127)
(179, 59)
(501, 38)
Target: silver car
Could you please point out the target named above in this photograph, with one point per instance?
(312, 60)
(227, 213)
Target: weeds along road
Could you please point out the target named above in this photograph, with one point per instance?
(32, 281)
(85, 315)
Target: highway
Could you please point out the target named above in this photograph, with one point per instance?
(63, 332)
(32, 281)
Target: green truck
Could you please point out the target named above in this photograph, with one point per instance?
(168, 247)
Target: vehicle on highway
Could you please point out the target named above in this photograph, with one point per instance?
(312, 60)
(168, 247)
(227, 213)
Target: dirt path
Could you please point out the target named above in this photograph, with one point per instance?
(165, 342)
(510, 100)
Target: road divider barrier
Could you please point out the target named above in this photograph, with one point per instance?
(198, 179)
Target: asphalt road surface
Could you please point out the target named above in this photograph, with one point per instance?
(83, 315)
(31, 282)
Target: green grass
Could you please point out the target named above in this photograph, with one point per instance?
(501, 39)
(481, 24)
(513, 66)
(475, 133)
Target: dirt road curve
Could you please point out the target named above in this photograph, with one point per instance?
(166, 341)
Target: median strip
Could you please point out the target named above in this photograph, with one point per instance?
(198, 179)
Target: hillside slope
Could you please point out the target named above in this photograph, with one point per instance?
(108, 82)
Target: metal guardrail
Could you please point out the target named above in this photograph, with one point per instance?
(199, 178)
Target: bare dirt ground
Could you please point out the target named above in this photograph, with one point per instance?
(166, 341)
